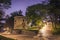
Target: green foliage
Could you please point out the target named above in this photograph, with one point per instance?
(36, 12)
(10, 20)
(54, 9)
(4, 38)
(55, 3)
(56, 30)
(1, 13)
(33, 28)
(6, 3)
(16, 13)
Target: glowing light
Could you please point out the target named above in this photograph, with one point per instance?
(29, 24)
(46, 30)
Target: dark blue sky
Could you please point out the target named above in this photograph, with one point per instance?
(21, 5)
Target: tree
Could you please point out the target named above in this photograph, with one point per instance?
(55, 3)
(54, 7)
(13, 14)
(10, 20)
(36, 12)
(1, 14)
(4, 4)
(16, 13)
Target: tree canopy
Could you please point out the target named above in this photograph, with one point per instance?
(5, 4)
(36, 12)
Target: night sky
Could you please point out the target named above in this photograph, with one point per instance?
(21, 5)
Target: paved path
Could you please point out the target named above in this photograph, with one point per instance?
(26, 37)
(17, 37)
(45, 33)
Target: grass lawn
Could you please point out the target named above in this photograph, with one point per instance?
(33, 28)
(4, 38)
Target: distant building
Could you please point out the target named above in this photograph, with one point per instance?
(20, 22)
